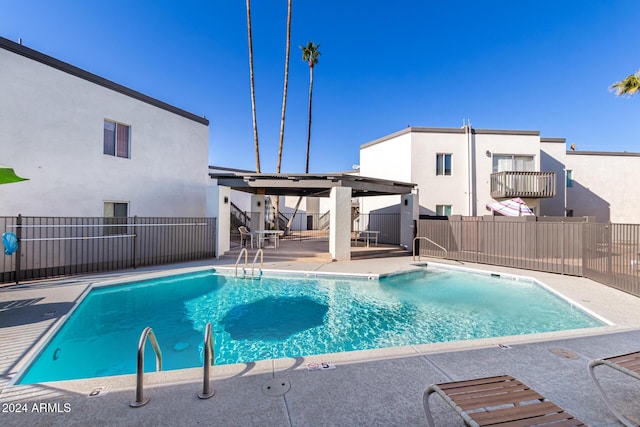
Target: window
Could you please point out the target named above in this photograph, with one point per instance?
(443, 164)
(116, 139)
(569, 178)
(511, 162)
(115, 213)
(443, 210)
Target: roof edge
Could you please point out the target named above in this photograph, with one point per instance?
(554, 140)
(418, 129)
(94, 78)
(603, 153)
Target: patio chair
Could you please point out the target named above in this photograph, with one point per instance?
(244, 235)
(498, 401)
(628, 364)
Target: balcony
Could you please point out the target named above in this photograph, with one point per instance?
(523, 184)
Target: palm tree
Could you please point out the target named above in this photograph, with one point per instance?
(628, 86)
(253, 92)
(310, 54)
(284, 106)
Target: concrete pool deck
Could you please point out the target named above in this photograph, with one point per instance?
(373, 387)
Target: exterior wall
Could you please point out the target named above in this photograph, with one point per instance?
(604, 186)
(52, 133)
(387, 159)
(444, 189)
(552, 159)
(239, 198)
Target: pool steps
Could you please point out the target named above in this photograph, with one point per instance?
(246, 262)
(147, 333)
(446, 253)
(209, 358)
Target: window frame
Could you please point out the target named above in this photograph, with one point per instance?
(114, 146)
(441, 164)
(569, 180)
(119, 219)
(512, 168)
(441, 210)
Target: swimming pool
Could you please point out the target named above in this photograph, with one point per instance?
(289, 316)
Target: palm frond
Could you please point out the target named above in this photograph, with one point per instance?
(628, 86)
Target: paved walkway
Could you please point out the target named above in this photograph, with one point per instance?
(376, 387)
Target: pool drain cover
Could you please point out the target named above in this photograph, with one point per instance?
(561, 352)
(276, 387)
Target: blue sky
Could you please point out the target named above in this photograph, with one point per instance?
(533, 64)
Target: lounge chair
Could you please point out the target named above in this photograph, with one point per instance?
(627, 364)
(244, 235)
(498, 401)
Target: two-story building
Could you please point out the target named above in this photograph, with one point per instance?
(460, 171)
(92, 147)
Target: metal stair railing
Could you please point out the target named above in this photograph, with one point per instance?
(446, 253)
(255, 258)
(209, 360)
(246, 260)
(147, 333)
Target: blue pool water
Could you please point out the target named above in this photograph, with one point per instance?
(287, 317)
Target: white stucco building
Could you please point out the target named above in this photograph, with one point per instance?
(604, 185)
(460, 170)
(91, 147)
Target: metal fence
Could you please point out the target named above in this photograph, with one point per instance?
(58, 246)
(612, 255)
(386, 226)
(607, 253)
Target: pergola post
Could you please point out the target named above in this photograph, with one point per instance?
(219, 206)
(257, 212)
(340, 223)
(409, 214)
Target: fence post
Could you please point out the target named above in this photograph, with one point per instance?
(135, 241)
(477, 239)
(19, 251)
(562, 247)
(609, 230)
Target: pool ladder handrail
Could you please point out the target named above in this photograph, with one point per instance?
(209, 360)
(446, 253)
(255, 258)
(246, 259)
(147, 333)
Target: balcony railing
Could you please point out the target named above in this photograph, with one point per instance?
(523, 184)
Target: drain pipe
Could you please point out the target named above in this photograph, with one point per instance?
(467, 131)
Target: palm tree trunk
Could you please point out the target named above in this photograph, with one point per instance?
(306, 170)
(286, 84)
(284, 105)
(253, 92)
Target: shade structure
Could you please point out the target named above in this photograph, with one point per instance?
(7, 176)
(511, 207)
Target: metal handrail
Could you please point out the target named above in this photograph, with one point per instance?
(446, 253)
(255, 258)
(246, 259)
(148, 332)
(209, 360)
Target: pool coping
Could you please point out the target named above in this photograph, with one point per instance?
(370, 354)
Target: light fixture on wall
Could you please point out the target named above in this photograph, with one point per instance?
(258, 203)
(488, 153)
(226, 200)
